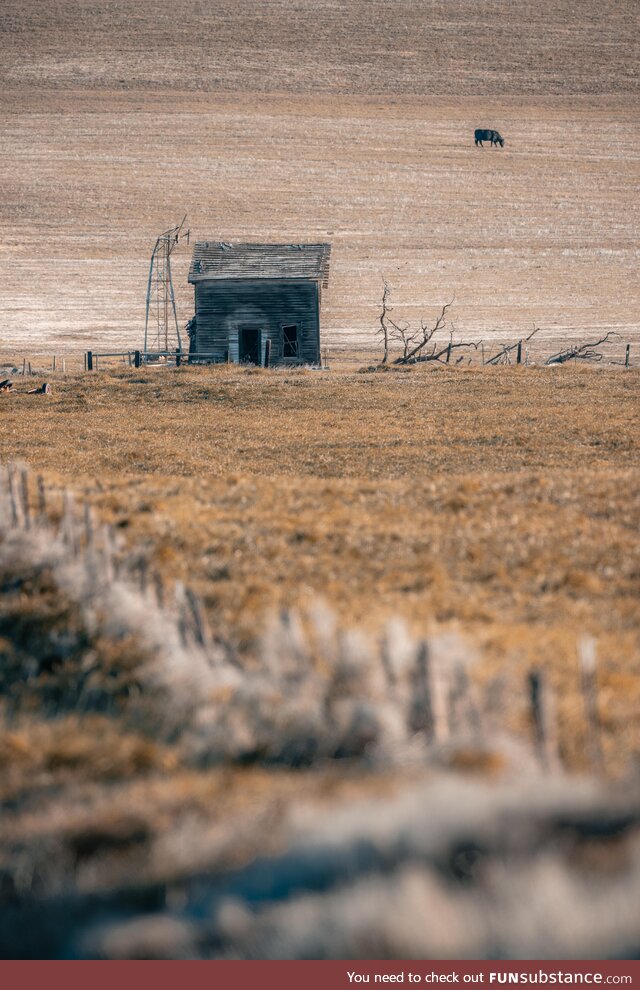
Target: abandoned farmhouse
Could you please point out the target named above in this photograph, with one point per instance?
(258, 303)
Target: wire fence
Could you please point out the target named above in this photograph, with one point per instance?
(538, 351)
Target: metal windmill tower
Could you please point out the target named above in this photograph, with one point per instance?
(161, 331)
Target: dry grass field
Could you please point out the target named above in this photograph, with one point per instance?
(499, 502)
(156, 807)
(264, 778)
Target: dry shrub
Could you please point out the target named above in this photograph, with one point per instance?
(75, 638)
(76, 748)
(451, 869)
(104, 686)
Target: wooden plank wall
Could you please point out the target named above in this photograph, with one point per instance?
(223, 306)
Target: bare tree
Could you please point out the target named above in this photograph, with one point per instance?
(412, 341)
(418, 343)
(384, 318)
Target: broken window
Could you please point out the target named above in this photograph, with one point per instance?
(290, 341)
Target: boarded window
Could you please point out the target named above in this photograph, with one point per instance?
(290, 341)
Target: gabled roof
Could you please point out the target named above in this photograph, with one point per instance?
(218, 260)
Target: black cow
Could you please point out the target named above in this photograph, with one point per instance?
(493, 136)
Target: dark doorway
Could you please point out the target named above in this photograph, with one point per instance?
(250, 345)
(290, 341)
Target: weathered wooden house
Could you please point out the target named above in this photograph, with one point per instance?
(258, 303)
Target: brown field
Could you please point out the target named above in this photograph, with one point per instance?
(500, 505)
(494, 512)
(499, 502)
(348, 122)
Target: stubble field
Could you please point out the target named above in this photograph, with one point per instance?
(351, 123)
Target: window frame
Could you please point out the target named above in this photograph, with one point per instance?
(298, 329)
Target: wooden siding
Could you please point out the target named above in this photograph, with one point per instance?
(224, 307)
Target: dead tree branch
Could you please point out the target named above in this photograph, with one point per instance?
(417, 343)
(404, 335)
(384, 319)
(502, 357)
(581, 352)
(444, 354)
(424, 336)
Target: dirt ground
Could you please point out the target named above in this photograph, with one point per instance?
(346, 122)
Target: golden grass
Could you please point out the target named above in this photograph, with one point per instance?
(502, 502)
(98, 807)
(34, 754)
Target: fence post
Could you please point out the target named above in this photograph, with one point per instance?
(626, 357)
(267, 352)
(178, 357)
(89, 361)
(543, 717)
(449, 352)
(519, 355)
(136, 359)
(54, 363)
(589, 678)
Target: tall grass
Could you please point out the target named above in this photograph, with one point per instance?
(86, 630)
(109, 677)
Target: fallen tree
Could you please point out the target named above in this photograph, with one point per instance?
(419, 343)
(581, 352)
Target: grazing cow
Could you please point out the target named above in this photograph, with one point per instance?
(493, 136)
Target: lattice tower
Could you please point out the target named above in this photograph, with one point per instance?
(161, 330)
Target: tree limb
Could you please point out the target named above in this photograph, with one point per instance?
(425, 333)
(499, 357)
(583, 352)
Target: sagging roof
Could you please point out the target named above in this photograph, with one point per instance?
(217, 259)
